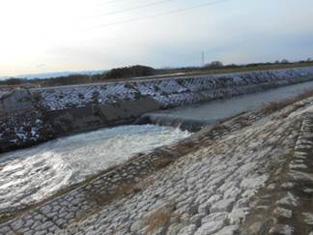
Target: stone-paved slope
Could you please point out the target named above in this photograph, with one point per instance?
(206, 192)
(226, 183)
(285, 206)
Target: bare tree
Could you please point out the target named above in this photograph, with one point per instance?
(284, 61)
(215, 65)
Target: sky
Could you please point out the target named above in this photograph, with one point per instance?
(41, 36)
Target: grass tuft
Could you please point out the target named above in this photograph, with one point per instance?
(161, 218)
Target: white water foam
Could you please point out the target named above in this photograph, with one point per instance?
(30, 175)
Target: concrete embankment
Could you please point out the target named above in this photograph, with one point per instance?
(36, 115)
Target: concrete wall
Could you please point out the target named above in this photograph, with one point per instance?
(16, 101)
(51, 112)
(99, 115)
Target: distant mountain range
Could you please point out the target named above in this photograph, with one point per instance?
(54, 75)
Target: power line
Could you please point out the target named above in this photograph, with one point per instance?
(158, 15)
(134, 8)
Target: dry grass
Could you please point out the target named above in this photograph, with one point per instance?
(128, 188)
(161, 218)
(186, 147)
(119, 192)
(157, 220)
(162, 162)
(275, 106)
(248, 69)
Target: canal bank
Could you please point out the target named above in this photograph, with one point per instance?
(212, 181)
(67, 161)
(47, 113)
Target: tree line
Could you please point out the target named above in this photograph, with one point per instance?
(142, 71)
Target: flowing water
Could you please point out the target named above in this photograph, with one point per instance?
(30, 175)
(196, 116)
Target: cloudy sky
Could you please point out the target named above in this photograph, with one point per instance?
(70, 35)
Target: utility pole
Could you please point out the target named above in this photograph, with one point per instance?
(202, 58)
